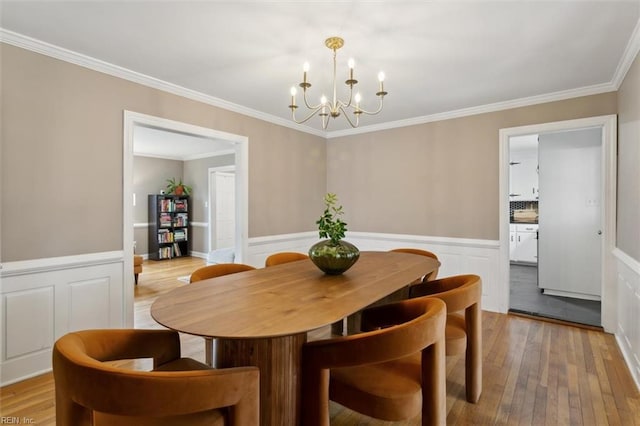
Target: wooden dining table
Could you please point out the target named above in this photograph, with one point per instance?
(261, 317)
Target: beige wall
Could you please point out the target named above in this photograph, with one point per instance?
(62, 143)
(62, 163)
(436, 179)
(629, 163)
(149, 177)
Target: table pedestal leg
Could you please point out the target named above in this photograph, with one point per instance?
(279, 360)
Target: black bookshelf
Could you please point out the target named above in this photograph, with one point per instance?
(169, 226)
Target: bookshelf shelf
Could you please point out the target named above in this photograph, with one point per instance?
(169, 226)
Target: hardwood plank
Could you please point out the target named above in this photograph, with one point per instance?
(508, 350)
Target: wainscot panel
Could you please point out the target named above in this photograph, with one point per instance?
(457, 255)
(628, 330)
(44, 299)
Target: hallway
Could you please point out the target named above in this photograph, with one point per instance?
(526, 298)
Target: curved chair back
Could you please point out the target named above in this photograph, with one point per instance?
(284, 257)
(404, 348)
(430, 276)
(463, 332)
(218, 270)
(179, 391)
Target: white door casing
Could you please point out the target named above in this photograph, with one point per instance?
(608, 123)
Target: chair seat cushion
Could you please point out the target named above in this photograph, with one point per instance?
(137, 260)
(387, 391)
(456, 335)
(182, 364)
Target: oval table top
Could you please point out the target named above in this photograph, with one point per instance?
(285, 299)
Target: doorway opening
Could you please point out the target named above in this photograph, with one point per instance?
(605, 279)
(238, 147)
(555, 225)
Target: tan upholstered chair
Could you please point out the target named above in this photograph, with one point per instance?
(179, 391)
(353, 321)
(462, 294)
(212, 271)
(137, 266)
(284, 257)
(218, 270)
(430, 276)
(390, 373)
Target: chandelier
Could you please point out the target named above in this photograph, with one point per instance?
(335, 107)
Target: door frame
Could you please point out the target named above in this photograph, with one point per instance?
(608, 124)
(212, 200)
(241, 150)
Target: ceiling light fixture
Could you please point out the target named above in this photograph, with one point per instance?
(336, 107)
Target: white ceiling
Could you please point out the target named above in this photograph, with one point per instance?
(439, 57)
(163, 143)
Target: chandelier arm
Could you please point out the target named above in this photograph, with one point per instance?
(344, 111)
(373, 112)
(306, 103)
(314, 112)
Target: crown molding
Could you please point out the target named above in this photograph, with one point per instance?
(482, 109)
(89, 62)
(34, 45)
(629, 55)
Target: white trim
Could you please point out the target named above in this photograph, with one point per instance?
(241, 151)
(141, 225)
(89, 62)
(57, 295)
(628, 311)
(457, 255)
(629, 55)
(423, 239)
(258, 241)
(25, 267)
(627, 260)
(199, 224)
(66, 55)
(481, 109)
(608, 123)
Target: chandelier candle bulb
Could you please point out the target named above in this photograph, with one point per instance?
(305, 70)
(293, 96)
(351, 65)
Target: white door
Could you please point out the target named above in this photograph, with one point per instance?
(223, 227)
(570, 222)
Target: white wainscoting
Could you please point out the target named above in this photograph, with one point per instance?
(457, 255)
(44, 299)
(261, 247)
(628, 328)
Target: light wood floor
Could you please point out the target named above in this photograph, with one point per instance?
(535, 373)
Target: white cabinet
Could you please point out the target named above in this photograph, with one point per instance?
(523, 175)
(523, 243)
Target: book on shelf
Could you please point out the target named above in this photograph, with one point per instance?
(165, 236)
(166, 205)
(180, 205)
(181, 219)
(165, 252)
(176, 249)
(165, 220)
(180, 235)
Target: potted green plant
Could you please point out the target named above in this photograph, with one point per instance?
(177, 187)
(333, 255)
